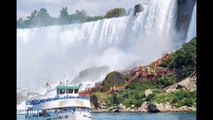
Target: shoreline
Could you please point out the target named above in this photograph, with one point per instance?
(103, 111)
(181, 109)
(139, 112)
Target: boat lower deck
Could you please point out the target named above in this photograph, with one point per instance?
(63, 116)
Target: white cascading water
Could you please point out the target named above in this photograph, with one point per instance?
(193, 25)
(57, 53)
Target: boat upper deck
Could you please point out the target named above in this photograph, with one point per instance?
(39, 101)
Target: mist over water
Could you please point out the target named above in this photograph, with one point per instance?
(57, 53)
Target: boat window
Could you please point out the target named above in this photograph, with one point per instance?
(69, 90)
(62, 91)
(40, 114)
(76, 90)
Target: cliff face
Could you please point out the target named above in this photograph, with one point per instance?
(184, 14)
(168, 91)
(190, 83)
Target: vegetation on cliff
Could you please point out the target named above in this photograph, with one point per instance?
(113, 79)
(116, 12)
(42, 18)
(183, 60)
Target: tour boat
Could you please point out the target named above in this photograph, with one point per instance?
(66, 105)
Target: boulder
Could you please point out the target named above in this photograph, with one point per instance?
(117, 110)
(163, 107)
(152, 108)
(148, 92)
(138, 8)
(121, 106)
(189, 83)
(98, 104)
(132, 106)
(143, 107)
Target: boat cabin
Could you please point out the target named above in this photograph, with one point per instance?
(67, 90)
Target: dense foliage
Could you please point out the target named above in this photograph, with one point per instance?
(159, 83)
(116, 12)
(127, 98)
(113, 79)
(37, 18)
(184, 60)
(42, 17)
(136, 98)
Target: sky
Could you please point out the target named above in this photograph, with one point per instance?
(93, 7)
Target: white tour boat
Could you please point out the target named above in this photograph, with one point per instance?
(67, 105)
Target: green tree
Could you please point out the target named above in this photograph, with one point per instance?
(30, 19)
(82, 13)
(20, 22)
(79, 16)
(43, 13)
(183, 60)
(64, 13)
(116, 12)
(32, 16)
(43, 18)
(64, 16)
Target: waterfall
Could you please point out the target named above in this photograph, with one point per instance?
(193, 25)
(60, 52)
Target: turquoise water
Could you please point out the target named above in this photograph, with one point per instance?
(145, 116)
(140, 116)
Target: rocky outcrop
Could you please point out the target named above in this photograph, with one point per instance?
(153, 108)
(138, 8)
(112, 79)
(185, 109)
(163, 107)
(187, 84)
(121, 106)
(148, 92)
(97, 102)
(143, 107)
(148, 107)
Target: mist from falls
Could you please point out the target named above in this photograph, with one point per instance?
(58, 53)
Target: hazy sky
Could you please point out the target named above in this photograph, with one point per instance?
(93, 7)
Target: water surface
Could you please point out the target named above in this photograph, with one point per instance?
(139, 116)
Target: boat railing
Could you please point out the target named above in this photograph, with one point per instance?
(38, 101)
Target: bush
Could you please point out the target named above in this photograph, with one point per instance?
(184, 98)
(166, 80)
(150, 97)
(113, 79)
(116, 12)
(139, 102)
(127, 98)
(183, 60)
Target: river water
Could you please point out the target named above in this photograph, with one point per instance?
(139, 116)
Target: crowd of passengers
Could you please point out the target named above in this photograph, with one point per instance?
(68, 110)
(57, 111)
(38, 101)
